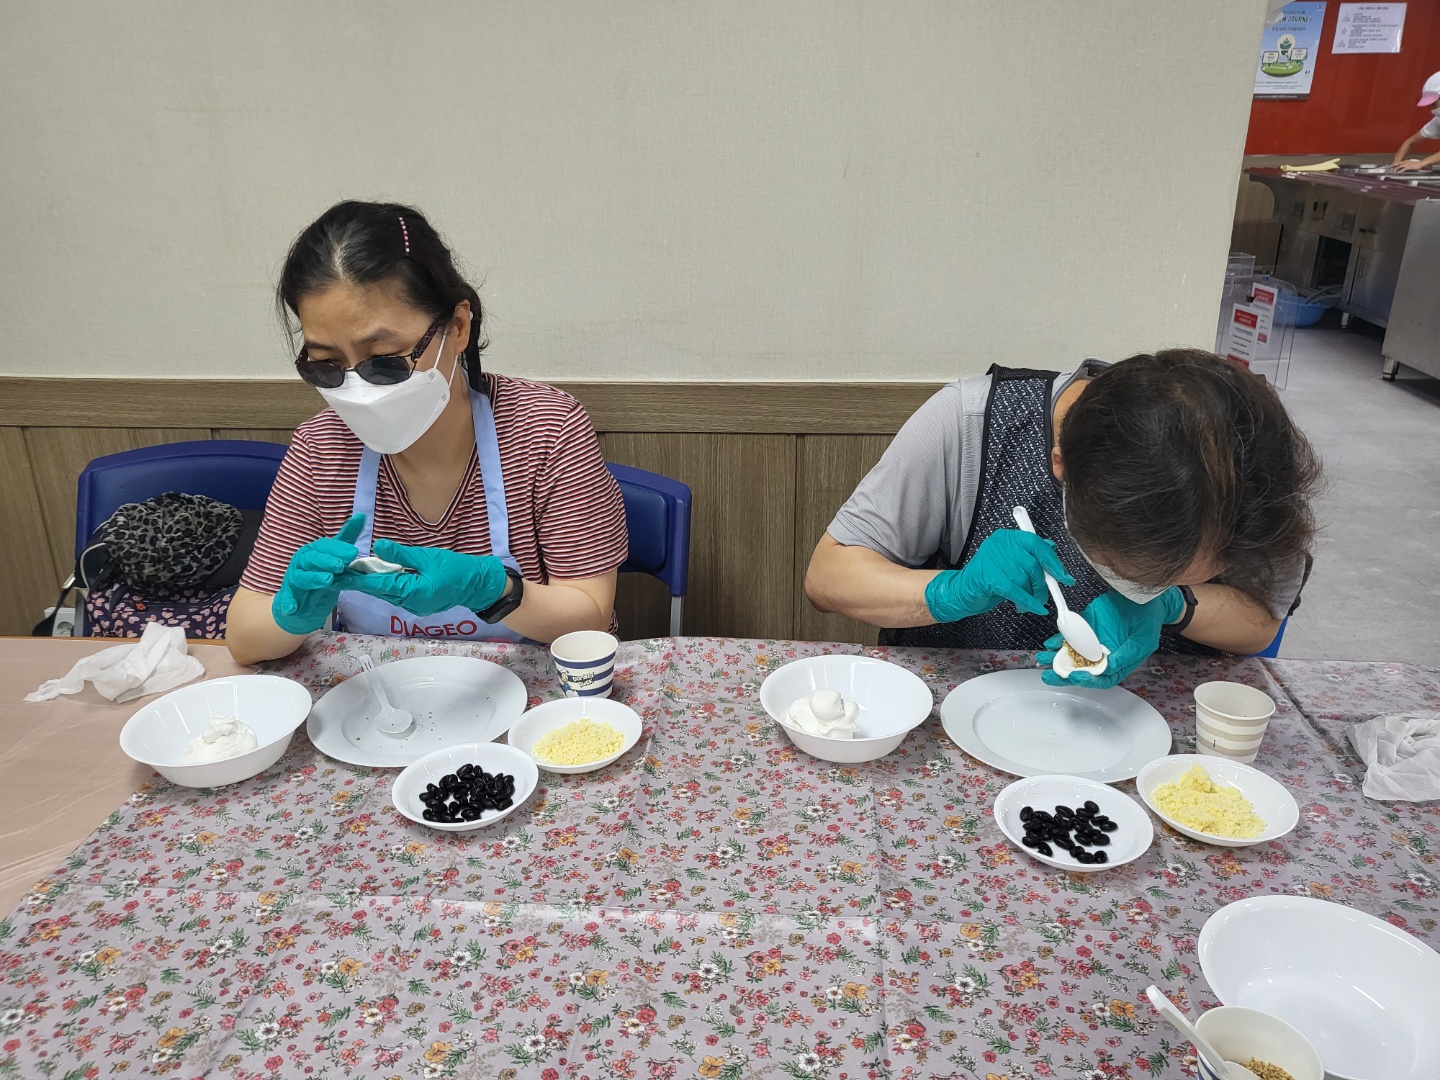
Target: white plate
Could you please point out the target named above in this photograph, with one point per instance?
(1366, 993)
(1127, 843)
(549, 715)
(492, 757)
(1274, 805)
(1013, 722)
(454, 699)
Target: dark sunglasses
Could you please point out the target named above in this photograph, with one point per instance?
(380, 370)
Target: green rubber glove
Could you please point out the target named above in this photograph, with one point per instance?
(313, 580)
(443, 579)
(1008, 565)
(1129, 630)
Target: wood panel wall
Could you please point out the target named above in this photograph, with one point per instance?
(768, 465)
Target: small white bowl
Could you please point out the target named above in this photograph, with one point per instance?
(1127, 843)
(892, 701)
(492, 757)
(1273, 803)
(1241, 1034)
(549, 715)
(272, 707)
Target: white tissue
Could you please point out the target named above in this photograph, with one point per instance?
(1401, 755)
(824, 712)
(159, 661)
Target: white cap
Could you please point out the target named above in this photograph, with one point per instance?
(1430, 92)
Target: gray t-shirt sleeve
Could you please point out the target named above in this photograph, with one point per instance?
(918, 498)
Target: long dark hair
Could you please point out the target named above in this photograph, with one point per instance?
(365, 243)
(1181, 453)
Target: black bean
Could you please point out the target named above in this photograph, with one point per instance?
(1026, 813)
(1031, 841)
(505, 803)
(1064, 812)
(430, 815)
(470, 813)
(1107, 825)
(1084, 858)
(1043, 848)
(1092, 806)
(1101, 840)
(1099, 857)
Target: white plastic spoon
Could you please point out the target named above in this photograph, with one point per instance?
(391, 721)
(1073, 627)
(1171, 1014)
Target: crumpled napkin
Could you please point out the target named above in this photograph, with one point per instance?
(159, 661)
(1401, 754)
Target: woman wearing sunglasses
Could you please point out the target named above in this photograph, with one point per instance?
(489, 491)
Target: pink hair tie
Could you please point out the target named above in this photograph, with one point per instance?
(404, 233)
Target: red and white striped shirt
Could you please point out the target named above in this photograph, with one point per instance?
(567, 519)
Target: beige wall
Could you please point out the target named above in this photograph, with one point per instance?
(878, 189)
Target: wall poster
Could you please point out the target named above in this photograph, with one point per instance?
(1288, 51)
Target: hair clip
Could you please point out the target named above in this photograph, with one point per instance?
(404, 233)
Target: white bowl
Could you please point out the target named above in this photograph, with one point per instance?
(1241, 1034)
(549, 715)
(1365, 993)
(1127, 843)
(492, 757)
(272, 707)
(1273, 803)
(892, 701)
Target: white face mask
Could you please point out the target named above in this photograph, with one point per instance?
(1131, 590)
(389, 419)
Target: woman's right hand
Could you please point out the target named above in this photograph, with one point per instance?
(1008, 565)
(314, 579)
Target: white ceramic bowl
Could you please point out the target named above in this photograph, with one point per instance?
(1365, 993)
(272, 707)
(892, 701)
(1241, 1034)
(492, 757)
(1127, 843)
(1273, 803)
(549, 715)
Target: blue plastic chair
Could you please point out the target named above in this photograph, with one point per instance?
(657, 515)
(1273, 649)
(235, 471)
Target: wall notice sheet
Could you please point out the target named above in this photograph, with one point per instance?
(1288, 50)
(1369, 28)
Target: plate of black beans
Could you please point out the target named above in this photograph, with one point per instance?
(1073, 823)
(466, 787)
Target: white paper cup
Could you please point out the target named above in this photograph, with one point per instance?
(1241, 1034)
(1231, 719)
(585, 662)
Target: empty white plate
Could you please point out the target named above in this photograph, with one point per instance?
(454, 699)
(1366, 993)
(1013, 722)
(1127, 843)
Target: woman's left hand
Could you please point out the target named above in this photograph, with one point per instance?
(443, 579)
(1129, 630)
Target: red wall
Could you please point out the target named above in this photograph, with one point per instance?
(1357, 104)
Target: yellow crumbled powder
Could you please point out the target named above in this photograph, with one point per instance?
(1265, 1071)
(578, 743)
(1198, 803)
(1075, 658)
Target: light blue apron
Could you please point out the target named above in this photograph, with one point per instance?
(360, 613)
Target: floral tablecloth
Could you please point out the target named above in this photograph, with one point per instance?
(717, 904)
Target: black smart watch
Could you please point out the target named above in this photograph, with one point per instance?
(509, 599)
(1180, 624)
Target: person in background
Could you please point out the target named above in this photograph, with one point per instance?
(1429, 99)
(488, 490)
(1171, 494)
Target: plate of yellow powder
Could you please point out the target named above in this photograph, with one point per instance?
(1217, 801)
(576, 735)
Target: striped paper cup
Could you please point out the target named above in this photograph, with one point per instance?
(585, 662)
